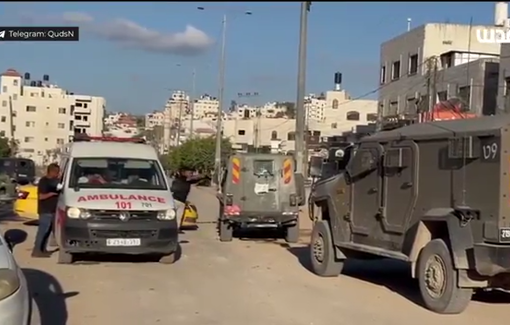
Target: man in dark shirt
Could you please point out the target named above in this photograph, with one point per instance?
(47, 206)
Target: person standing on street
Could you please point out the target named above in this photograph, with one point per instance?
(47, 205)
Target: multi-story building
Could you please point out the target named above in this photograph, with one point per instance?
(42, 116)
(268, 110)
(153, 119)
(177, 106)
(205, 106)
(315, 107)
(447, 56)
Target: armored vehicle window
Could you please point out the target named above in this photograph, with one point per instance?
(263, 168)
(364, 161)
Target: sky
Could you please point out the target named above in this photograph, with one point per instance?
(135, 53)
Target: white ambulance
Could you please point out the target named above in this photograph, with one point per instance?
(115, 198)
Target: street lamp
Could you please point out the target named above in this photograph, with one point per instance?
(221, 91)
(192, 97)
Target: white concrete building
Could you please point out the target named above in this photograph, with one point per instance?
(268, 110)
(177, 105)
(340, 114)
(408, 59)
(42, 116)
(153, 119)
(315, 107)
(205, 106)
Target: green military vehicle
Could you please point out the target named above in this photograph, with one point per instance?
(435, 195)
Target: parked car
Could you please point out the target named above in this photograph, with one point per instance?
(16, 304)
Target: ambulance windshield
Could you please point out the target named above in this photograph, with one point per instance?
(136, 174)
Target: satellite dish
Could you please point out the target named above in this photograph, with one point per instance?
(339, 153)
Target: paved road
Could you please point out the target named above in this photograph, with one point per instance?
(243, 282)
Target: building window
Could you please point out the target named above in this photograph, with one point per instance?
(14, 96)
(2, 133)
(395, 70)
(15, 82)
(241, 132)
(4, 89)
(371, 117)
(274, 135)
(447, 60)
(352, 116)
(393, 108)
(442, 96)
(61, 125)
(45, 139)
(4, 103)
(60, 141)
(29, 139)
(291, 136)
(78, 105)
(30, 108)
(85, 105)
(383, 75)
(61, 110)
(335, 104)
(334, 125)
(29, 124)
(413, 64)
(316, 133)
(465, 95)
(4, 119)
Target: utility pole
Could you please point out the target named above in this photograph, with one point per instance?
(431, 83)
(301, 88)
(192, 101)
(258, 115)
(217, 156)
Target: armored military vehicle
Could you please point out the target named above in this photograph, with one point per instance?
(435, 195)
(260, 191)
(7, 189)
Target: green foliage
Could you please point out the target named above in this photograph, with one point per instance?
(196, 154)
(8, 147)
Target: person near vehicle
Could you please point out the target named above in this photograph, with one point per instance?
(181, 186)
(47, 199)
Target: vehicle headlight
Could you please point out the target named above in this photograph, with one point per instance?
(77, 213)
(9, 283)
(166, 214)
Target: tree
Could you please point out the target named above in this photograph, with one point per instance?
(8, 147)
(196, 154)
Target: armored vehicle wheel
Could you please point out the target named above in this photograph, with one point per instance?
(438, 280)
(292, 233)
(322, 252)
(65, 258)
(226, 231)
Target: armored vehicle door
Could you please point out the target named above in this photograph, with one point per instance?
(366, 185)
(399, 168)
(261, 184)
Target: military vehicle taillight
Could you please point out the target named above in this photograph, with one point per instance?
(231, 210)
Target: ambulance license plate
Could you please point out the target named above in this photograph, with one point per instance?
(123, 242)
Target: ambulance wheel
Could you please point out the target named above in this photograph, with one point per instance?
(437, 280)
(65, 257)
(292, 233)
(322, 251)
(226, 231)
(171, 258)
